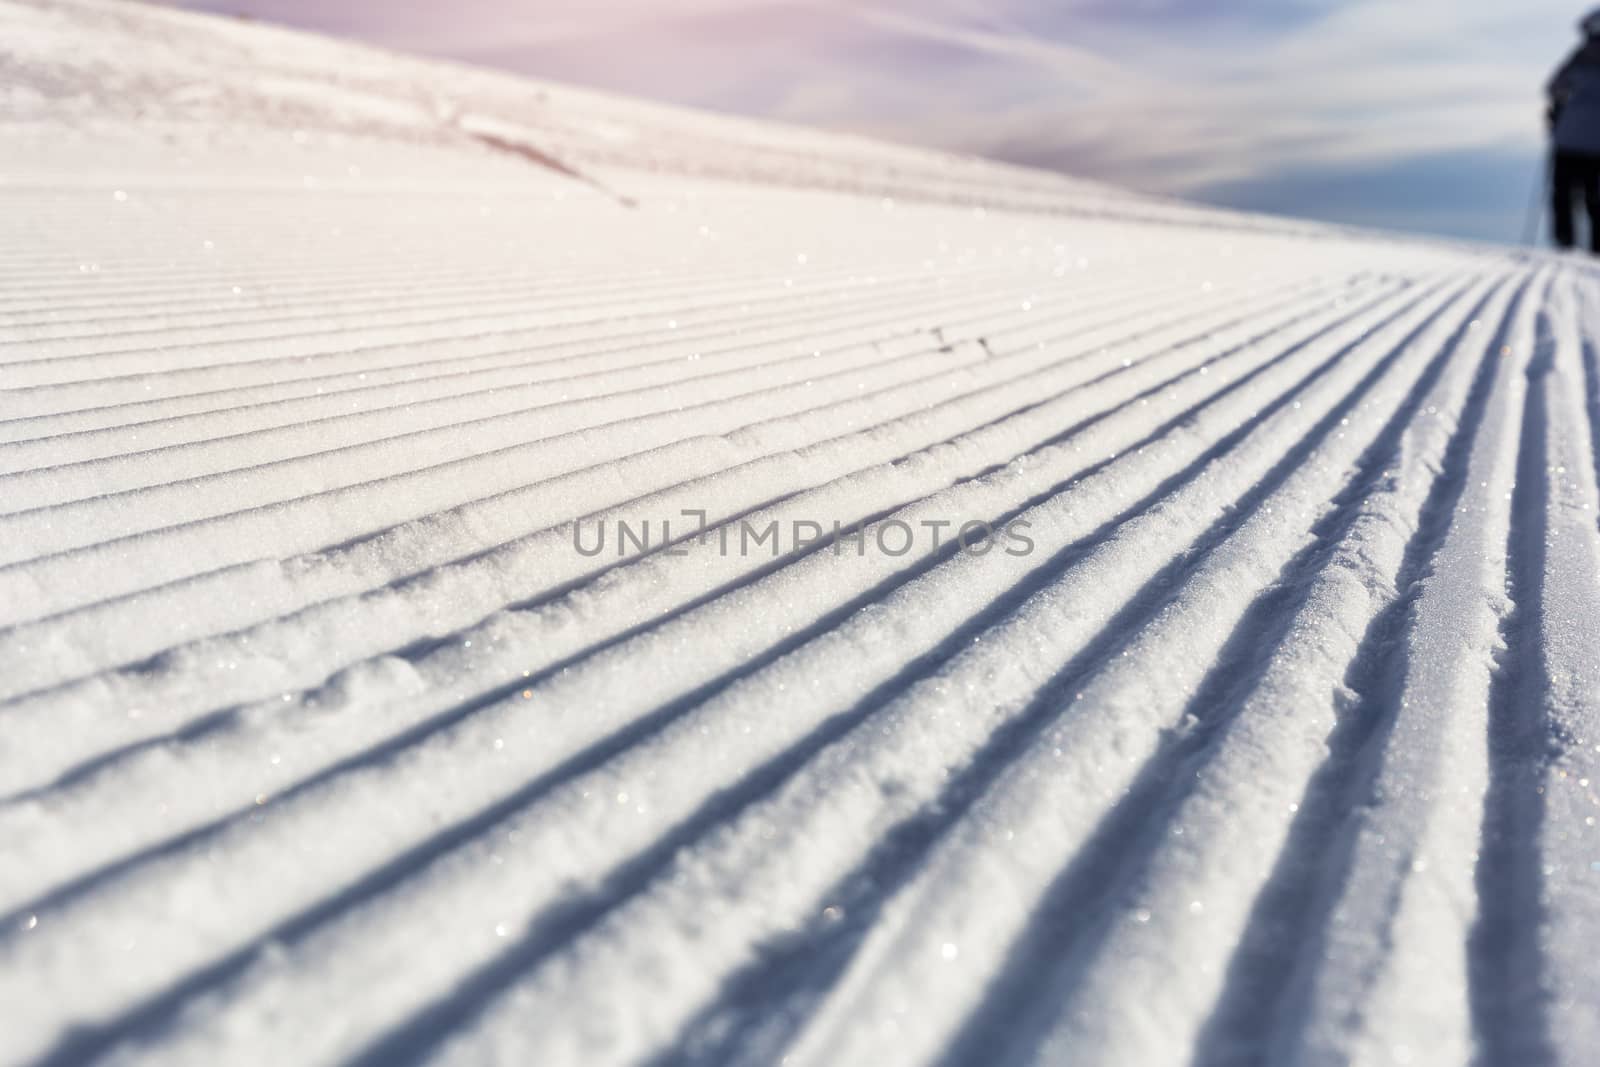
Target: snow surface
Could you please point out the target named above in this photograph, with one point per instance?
(321, 742)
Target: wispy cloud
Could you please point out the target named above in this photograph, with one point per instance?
(1079, 67)
(1338, 84)
(1179, 96)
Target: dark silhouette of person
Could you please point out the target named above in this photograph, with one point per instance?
(1574, 117)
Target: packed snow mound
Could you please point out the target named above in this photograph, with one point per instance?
(494, 573)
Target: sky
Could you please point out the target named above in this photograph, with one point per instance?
(1422, 115)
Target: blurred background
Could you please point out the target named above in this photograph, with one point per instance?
(1420, 115)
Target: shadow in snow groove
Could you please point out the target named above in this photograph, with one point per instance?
(551, 931)
(889, 864)
(1051, 954)
(1591, 370)
(1268, 981)
(1506, 968)
(225, 717)
(1296, 293)
(762, 1007)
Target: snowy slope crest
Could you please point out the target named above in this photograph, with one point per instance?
(111, 70)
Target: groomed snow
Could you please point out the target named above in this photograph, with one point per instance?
(1264, 732)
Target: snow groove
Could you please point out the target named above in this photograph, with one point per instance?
(444, 655)
(998, 400)
(1268, 964)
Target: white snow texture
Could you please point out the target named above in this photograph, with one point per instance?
(1261, 730)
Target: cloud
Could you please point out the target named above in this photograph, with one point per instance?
(1079, 67)
(1175, 96)
(1345, 84)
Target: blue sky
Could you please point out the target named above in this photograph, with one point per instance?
(1411, 114)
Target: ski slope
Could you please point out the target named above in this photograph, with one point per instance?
(323, 739)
